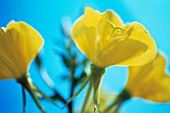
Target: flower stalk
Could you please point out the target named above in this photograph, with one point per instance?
(97, 75)
(27, 85)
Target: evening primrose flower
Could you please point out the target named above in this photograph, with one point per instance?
(19, 44)
(149, 82)
(104, 39)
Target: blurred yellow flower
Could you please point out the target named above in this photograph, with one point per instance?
(105, 100)
(150, 81)
(19, 44)
(104, 39)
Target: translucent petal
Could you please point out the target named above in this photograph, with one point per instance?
(140, 73)
(8, 57)
(5, 71)
(19, 44)
(105, 41)
(85, 39)
(92, 17)
(157, 90)
(32, 40)
(122, 51)
(79, 36)
(113, 18)
(92, 41)
(140, 35)
(106, 29)
(150, 81)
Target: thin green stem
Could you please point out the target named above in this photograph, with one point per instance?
(46, 97)
(26, 84)
(70, 105)
(87, 96)
(97, 75)
(24, 99)
(83, 85)
(57, 96)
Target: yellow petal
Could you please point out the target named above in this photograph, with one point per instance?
(8, 55)
(105, 30)
(161, 92)
(19, 44)
(133, 47)
(150, 81)
(79, 36)
(5, 71)
(113, 18)
(140, 35)
(92, 17)
(85, 38)
(92, 42)
(105, 41)
(123, 51)
(138, 73)
(32, 40)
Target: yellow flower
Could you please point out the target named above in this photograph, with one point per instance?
(104, 39)
(150, 81)
(19, 44)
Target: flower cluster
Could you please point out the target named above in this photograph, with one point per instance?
(106, 41)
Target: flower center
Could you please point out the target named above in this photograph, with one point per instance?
(109, 32)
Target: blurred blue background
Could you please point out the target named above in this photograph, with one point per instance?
(45, 16)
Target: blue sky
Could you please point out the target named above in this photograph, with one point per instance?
(45, 16)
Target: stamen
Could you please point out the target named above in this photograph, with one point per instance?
(117, 30)
(116, 27)
(128, 33)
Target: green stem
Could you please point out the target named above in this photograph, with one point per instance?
(57, 96)
(72, 71)
(46, 97)
(24, 99)
(87, 97)
(83, 85)
(26, 84)
(97, 75)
